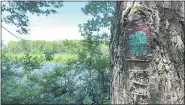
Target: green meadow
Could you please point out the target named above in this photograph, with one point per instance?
(57, 58)
(47, 51)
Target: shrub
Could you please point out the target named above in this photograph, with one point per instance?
(29, 62)
(49, 55)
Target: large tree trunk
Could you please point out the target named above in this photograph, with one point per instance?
(163, 76)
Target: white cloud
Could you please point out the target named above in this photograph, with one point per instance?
(46, 33)
(54, 33)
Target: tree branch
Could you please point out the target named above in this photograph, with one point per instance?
(10, 32)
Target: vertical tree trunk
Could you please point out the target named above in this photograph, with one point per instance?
(161, 80)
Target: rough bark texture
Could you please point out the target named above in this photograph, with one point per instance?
(161, 80)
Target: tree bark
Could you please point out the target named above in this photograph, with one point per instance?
(161, 80)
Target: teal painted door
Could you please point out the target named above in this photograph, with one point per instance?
(138, 44)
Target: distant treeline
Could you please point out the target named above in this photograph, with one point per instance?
(40, 46)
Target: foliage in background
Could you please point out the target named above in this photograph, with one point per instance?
(93, 56)
(6, 66)
(41, 46)
(83, 79)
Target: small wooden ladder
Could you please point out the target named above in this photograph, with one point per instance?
(140, 83)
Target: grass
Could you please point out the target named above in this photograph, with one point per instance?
(63, 57)
(59, 58)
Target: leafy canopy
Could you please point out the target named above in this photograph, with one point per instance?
(102, 13)
(15, 12)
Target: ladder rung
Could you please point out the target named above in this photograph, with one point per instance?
(138, 70)
(140, 83)
(136, 60)
(143, 103)
(139, 94)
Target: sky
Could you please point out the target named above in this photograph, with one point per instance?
(61, 26)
